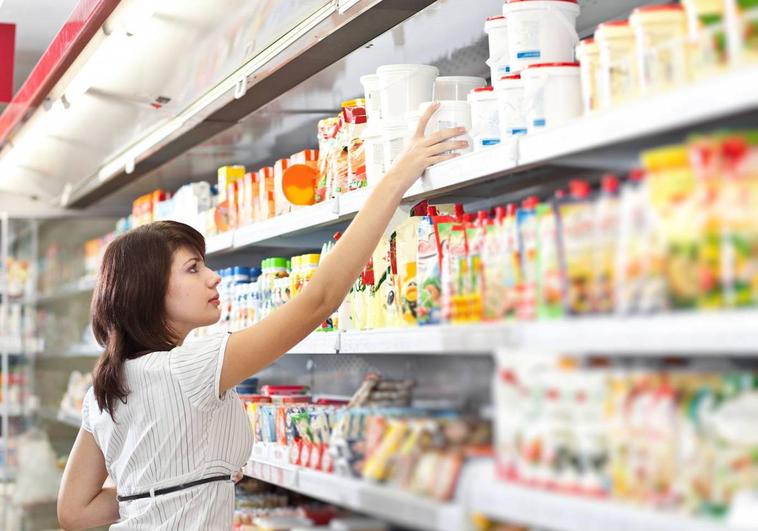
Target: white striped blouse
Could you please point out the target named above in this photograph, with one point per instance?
(174, 428)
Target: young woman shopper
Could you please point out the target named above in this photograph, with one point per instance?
(162, 422)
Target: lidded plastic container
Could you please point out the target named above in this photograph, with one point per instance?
(496, 29)
(618, 75)
(661, 44)
(402, 88)
(540, 31)
(552, 94)
(510, 106)
(456, 87)
(450, 114)
(588, 55)
(707, 34)
(370, 84)
(485, 122)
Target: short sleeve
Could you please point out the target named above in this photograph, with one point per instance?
(197, 366)
(89, 397)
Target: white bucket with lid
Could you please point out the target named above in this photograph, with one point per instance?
(510, 106)
(451, 113)
(373, 147)
(403, 88)
(496, 29)
(370, 84)
(498, 70)
(552, 94)
(394, 136)
(541, 31)
(456, 87)
(485, 122)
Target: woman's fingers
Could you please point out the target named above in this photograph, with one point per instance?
(424, 120)
(450, 145)
(444, 134)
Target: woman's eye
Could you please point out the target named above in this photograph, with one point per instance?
(193, 269)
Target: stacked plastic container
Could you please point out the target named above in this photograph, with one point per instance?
(534, 74)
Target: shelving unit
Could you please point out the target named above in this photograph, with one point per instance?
(559, 512)
(398, 507)
(321, 49)
(727, 333)
(509, 163)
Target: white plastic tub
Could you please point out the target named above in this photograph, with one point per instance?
(498, 70)
(403, 88)
(485, 123)
(510, 106)
(370, 84)
(393, 138)
(451, 113)
(373, 147)
(456, 87)
(552, 94)
(541, 31)
(496, 29)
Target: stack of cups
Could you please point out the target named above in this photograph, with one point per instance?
(402, 88)
(497, 33)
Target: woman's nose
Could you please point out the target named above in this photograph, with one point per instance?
(215, 279)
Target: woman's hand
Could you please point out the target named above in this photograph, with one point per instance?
(423, 151)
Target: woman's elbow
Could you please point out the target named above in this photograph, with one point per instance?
(67, 516)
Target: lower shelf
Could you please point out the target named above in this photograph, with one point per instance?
(560, 512)
(480, 493)
(400, 508)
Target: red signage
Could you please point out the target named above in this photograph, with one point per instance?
(7, 60)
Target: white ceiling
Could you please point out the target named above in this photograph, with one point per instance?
(37, 23)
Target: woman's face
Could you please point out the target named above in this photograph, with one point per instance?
(192, 298)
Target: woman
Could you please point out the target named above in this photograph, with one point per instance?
(162, 419)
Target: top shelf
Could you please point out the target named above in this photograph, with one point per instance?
(651, 121)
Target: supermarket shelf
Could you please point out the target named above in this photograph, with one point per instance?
(82, 350)
(398, 507)
(732, 333)
(325, 37)
(663, 114)
(18, 345)
(443, 339)
(219, 243)
(13, 410)
(69, 289)
(318, 343)
(69, 418)
(300, 220)
(558, 512)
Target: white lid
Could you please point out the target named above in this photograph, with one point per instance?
(406, 67)
(483, 94)
(495, 22)
(369, 78)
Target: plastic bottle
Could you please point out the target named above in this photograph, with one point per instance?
(606, 235)
(577, 222)
(527, 229)
(549, 289)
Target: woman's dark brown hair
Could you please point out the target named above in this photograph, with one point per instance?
(129, 304)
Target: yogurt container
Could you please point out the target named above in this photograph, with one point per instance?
(456, 87)
(403, 88)
(618, 78)
(552, 95)
(510, 106)
(370, 84)
(451, 113)
(588, 55)
(485, 123)
(496, 29)
(540, 31)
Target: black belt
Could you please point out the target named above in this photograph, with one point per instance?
(169, 490)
